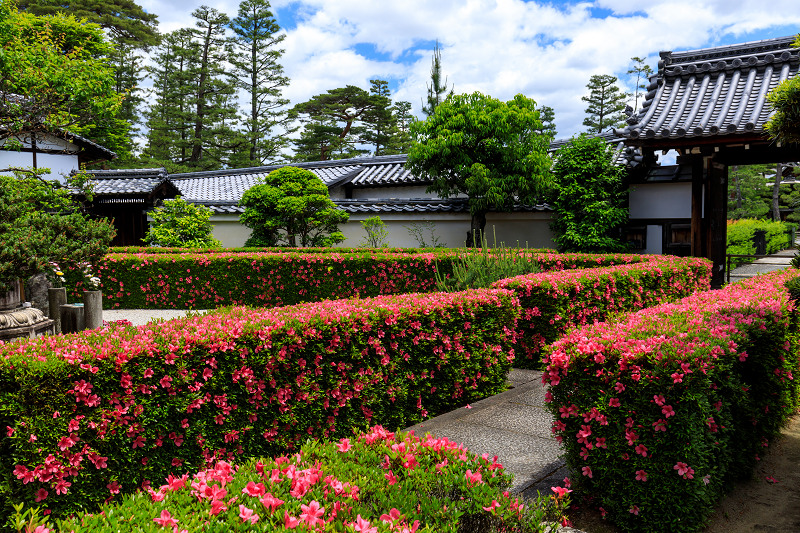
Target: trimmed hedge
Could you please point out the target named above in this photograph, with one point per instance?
(660, 411)
(555, 302)
(88, 415)
(377, 480)
(741, 232)
(214, 279)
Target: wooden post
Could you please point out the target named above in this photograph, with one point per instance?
(697, 207)
(717, 217)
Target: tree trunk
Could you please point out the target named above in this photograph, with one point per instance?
(476, 232)
(776, 189)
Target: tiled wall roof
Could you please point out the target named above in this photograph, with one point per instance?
(713, 91)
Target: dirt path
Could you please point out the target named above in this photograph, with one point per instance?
(754, 505)
(759, 504)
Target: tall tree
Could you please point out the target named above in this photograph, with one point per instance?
(379, 122)
(400, 143)
(214, 108)
(606, 103)
(548, 117)
(483, 148)
(53, 78)
(642, 71)
(332, 124)
(169, 117)
(260, 76)
(784, 125)
(437, 90)
(747, 187)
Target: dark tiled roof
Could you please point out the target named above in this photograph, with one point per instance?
(385, 171)
(713, 91)
(127, 181)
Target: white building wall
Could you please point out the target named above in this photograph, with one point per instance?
(660, 200)
(59, 164)
(655, 238)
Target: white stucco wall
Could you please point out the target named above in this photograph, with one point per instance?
(227, 229)
(660, 200)
(655, 238)
(59, 164)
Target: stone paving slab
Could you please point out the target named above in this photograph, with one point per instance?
(512, 425)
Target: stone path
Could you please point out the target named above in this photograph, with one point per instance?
(777, 261)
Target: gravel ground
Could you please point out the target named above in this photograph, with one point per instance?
(139, 317)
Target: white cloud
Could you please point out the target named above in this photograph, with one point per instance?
(500, 47)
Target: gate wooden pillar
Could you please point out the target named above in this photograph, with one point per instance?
(716, 216)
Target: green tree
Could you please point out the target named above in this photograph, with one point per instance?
(181, 224)
(400, 142)
(606, 103)
(548, 116)
(747, 191)
(53, 78)
(215, 109)
(377, 233)
(260, 76)
(589, 201)
(642, 71)
(489, 150)
(333, 123)
(437, 90)
(40, 224)
(380, 125)
(292, 206)
(125, 20)
(169, 117)
(784, 125)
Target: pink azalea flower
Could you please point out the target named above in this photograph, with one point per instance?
(474, 479)
(344, 445)
(634, 510)
(271, 502)
(290, 522)
(41, 494)
(495, 504)
(641, 475)
(165, 520)
(247, 515)
(363, 526)
(587, 471)
(312, 513)
(560, 491)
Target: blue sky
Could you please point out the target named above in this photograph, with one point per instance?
(545, 50)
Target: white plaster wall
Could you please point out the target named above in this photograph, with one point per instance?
(376, 193)
(227, 229)
(450, 228)
(660, 200)
(59, 164)
(520, 229)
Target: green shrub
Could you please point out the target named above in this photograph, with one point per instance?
(86, 416)
(557, 301)
(659, 411)
(375, 481)
(376, 232)
(740, 238)
(179, 223)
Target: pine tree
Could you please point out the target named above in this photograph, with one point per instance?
(643, 73)
(606, 103)
(333, 124)
(215, 108)
(169, 118)
(400, 143)
(125, 20)
(548, 117)
(260, 76)
(436, 90)
(379, 123)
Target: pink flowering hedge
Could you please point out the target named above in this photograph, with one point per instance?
(377, 481)
(265, 279)
(557, 301)
(661, 410)
(87, 416)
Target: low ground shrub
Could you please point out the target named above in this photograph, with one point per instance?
(377, 481)
(91, 415)
(661, 410)
(557, 301)
(741, 232)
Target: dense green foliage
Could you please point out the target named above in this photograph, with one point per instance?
(376, 232)
(181, 224)
(740, 237)
(784, 125)
(111, 409)
(557, 301)
(431, 486)
(606, 104)
(39, 224)
(53, 77)
(260, 75)
(589, 199)
(291, 206)
(662, 409)
(481, 268)
(494, 152)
